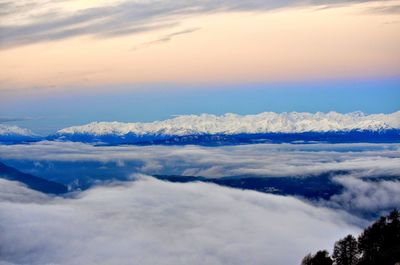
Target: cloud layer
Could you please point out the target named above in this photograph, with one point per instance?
(258, 160)
(366, 196)
(368, 173)
(154, 222)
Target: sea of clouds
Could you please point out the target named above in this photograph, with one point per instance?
(355, 165)
(149, 221)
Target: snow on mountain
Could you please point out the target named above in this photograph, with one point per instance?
(12, 130)
(267, 122)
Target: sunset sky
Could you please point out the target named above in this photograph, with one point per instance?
(69, 62)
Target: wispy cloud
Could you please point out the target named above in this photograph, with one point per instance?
(47, 20)
(13, 119)
(391, 9)
(165, 38)
(8, 119)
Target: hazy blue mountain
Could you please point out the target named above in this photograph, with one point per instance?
(31, 181)
(312, 187)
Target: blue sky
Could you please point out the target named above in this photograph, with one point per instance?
(46, 114)
(71, 62)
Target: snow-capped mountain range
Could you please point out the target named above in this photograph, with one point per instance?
(229, 129)
(267, 122)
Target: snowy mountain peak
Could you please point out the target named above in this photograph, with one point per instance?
(12, 130)
(230, 123)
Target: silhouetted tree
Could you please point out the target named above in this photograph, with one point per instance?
(345, 251)
(320, 258)
(380, 242)
(307, 259)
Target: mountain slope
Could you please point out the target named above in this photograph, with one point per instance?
(232, 129)
(31, 181)
(228, 129)
(15, 134)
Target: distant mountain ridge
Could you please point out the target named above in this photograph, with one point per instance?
(228, 124)
(15, 134)
(231, 129)
(14, 130)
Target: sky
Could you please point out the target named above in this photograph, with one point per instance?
(65, 63)
(71, 62)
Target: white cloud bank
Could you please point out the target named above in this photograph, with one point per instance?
(153, 222)
(293, 122)
(353, 165)
(259, 160)
(367, 196)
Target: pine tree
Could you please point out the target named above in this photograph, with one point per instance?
(345, 251)
(320, 258)
(380, 243)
